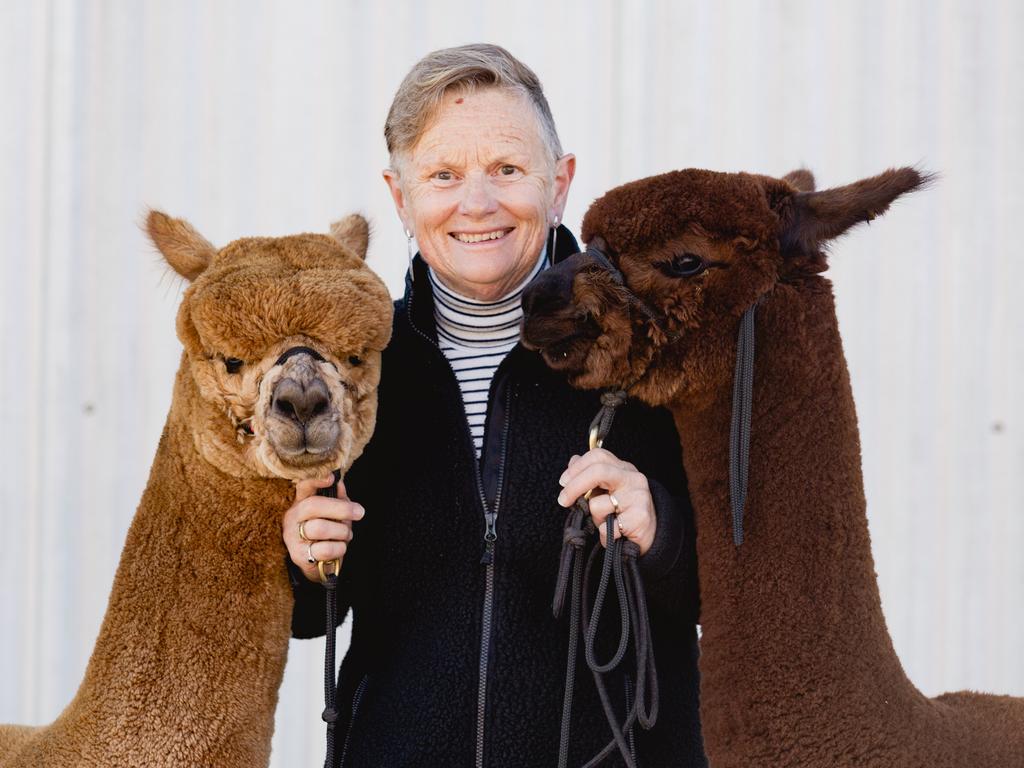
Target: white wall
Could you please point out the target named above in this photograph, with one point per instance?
(265, 117)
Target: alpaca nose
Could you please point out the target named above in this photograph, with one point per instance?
(548, 293)
(300, 402)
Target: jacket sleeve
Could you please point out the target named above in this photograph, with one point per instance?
(309, 614)
(669, 567)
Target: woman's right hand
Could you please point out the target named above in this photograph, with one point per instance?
(326, 523)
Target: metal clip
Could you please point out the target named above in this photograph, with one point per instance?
(320, 567)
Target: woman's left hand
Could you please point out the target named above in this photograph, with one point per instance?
(625, 484)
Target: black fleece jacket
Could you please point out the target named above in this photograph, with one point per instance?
(456, 661)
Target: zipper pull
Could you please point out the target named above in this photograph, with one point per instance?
(490, 535)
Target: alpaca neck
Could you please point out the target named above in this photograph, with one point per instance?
(194, 641)
(793, 614)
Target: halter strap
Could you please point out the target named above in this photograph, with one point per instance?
(293, 351)
(601, 258)
(742, 393)
(739, 433)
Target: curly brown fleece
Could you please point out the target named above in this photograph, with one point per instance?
(190, 655)
(797, 667)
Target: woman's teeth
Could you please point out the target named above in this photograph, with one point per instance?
(463, 237)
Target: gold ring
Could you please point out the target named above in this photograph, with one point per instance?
(302, 531)
(309, 552)
(615, 504)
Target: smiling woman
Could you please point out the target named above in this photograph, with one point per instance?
(480, 189)
(455, 657)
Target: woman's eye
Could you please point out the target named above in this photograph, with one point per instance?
(233, 364)
(355, 360)
(687, 265)
(508, 170)
(444, 176)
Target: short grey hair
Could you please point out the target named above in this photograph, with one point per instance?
(462, 68)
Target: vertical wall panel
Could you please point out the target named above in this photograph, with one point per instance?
(266, 117)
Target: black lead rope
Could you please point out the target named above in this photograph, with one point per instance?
(330, 582)
(619, 567)
(739, 433)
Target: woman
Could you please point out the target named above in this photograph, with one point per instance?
(455, 658)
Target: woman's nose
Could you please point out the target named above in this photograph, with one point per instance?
(478, 196)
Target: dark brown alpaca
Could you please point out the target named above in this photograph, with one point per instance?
(797, 666)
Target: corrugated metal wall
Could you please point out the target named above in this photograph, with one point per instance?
(265, 118)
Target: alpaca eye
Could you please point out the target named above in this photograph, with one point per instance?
(355, 360)
(687, 265)
(233, 364)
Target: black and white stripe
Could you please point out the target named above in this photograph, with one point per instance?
(475, 336)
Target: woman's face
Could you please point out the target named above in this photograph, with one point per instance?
(479, 191)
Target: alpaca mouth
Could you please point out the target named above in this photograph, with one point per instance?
(564, 346)
(304, 444)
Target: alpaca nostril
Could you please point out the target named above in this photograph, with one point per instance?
(292, 400)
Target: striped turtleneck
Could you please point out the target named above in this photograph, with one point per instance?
(475, 336)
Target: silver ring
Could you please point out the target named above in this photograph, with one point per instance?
(309, 552)
(615, 504)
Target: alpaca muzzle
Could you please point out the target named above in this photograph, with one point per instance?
(303, 421)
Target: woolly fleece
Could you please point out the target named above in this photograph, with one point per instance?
(797, 667)
(190, 655)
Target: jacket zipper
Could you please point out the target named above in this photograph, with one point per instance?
(490, 537)
(356, 698)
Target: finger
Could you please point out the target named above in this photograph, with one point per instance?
(331, 509)
(328, 550)
(594, 456)
(603, 533)
(607, 476)
(633, 526)
(321, 529)
(318, 550)
(601, 506)
(306, 488)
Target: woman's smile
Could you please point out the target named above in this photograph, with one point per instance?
(474, 238)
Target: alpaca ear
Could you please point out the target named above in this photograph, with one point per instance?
(808, 220)
(801, 180)
(353, 232)
(188, 252)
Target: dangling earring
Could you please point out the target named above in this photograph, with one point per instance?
(408, 247)
(554, 240)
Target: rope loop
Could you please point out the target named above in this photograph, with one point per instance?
(618, 567)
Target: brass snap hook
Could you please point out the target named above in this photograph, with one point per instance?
(320, 567)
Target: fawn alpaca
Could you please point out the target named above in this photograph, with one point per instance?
(277, 382)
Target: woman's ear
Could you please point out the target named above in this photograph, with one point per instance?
(394, 182)
(565, 170)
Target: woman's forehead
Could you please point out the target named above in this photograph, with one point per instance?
(486, 124)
